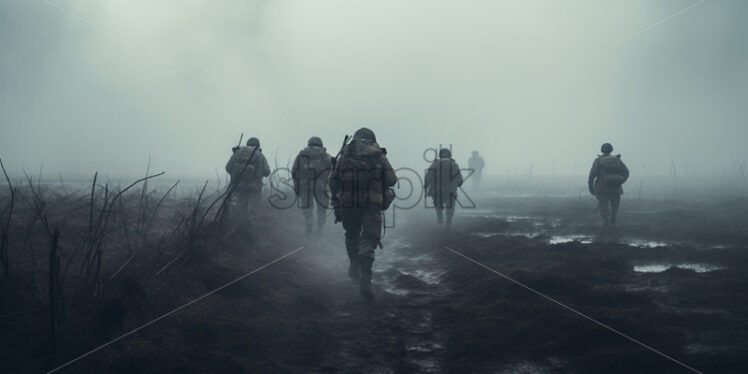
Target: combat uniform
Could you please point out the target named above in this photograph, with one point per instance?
(443, 178)
(359, 184)
(607, 175)
(310, 172)
(247, 170)
(476, 163)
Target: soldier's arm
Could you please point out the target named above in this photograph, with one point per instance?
(593, 175)
(625, 172)
(428, 178)
(295, 167)
(458, 176)
(328, 161)
(389, 173)
(265, 166)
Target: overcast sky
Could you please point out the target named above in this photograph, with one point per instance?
(523, 82)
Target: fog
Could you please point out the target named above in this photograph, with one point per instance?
(103, 85)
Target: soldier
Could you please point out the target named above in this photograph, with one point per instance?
(607, 176)
(476, 163)
(247, 166)
(310, 173)
(443, 178)
(361, 186)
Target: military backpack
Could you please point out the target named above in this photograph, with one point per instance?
(612, 170)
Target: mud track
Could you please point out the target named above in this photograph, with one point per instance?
(672, 285)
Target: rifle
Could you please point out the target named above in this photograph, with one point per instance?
(335, 159)
(234, 149)
(334, 191)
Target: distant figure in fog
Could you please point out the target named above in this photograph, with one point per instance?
(310, 172)
(361, 186)
(443, 178)
(476, 163)
(607, 176)
(247, 166)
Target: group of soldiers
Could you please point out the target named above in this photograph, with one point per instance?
(358, 184)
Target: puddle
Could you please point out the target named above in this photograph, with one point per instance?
(485, 235)
(640, 243)
(517, 218)
(659, 268)
(561, 239)
(426, 276)
(483, 213)
(478, 213)
(569, 238)
(394, 290)
(424, 347)
(422, 258)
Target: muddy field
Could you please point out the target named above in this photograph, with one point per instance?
(671, 276)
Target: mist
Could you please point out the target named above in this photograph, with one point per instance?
(103, 86)
(125, 246)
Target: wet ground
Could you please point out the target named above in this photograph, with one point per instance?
(671, 276)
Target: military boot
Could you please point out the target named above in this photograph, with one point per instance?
(353, 265)
(365, 281)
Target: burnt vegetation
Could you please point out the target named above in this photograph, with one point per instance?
(81, 266)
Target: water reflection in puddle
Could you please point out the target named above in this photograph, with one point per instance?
(659, 268)
(425, 276)
(561, 239)
(394, 290)
(482, 213)
(485, 235)
(517, 218)
(569, 238)
(640, 243)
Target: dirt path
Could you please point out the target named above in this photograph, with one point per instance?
(437, 313)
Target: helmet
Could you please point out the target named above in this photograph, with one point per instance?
(254, 142)
(606, 148)
(314, 141)
(474, 153)
(364, 133)
(445, 153)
